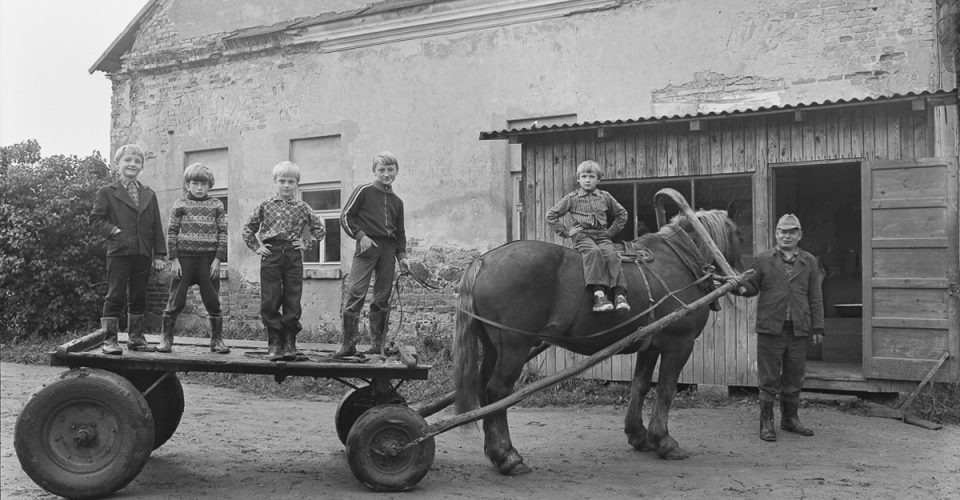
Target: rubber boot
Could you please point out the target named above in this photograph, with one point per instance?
(289, 350)
(378, 331)
(349, 345)
(274, 345)
(216, 336)
(110, 327)
(767, 432)
(135, 340)
(789, 420)
(167, 329)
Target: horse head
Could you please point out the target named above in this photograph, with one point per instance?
(722, 230)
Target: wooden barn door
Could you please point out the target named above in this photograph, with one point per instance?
(910, 265)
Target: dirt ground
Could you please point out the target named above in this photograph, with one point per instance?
(232, 445)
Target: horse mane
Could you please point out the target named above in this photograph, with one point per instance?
(714, 221)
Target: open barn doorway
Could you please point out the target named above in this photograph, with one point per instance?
(826, 198)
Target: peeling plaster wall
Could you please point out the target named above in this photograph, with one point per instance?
(427, 99)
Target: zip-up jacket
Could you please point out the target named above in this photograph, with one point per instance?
(375, 211)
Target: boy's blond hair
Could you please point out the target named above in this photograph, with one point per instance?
(590, 166)
(128, 148)
(286, 169)
(385, 158)
(198, 172)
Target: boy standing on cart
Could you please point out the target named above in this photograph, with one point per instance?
(374, 217)
(275, 232)
(126, 213)
(197, 243)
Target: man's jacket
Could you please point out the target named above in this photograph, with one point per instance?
(801, 293)
(141, 230)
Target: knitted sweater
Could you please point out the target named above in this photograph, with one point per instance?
(197, 227)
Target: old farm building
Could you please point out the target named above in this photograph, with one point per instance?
(842, 111)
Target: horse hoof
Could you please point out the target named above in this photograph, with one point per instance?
(641, 444)
(512, 465)
(675, 453)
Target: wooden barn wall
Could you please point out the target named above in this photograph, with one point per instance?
(725, 352)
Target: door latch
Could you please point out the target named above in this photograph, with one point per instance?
(953, 289)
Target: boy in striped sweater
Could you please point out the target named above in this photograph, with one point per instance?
(196, 243)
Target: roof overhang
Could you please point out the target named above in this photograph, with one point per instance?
(109, 61)
(932, 98)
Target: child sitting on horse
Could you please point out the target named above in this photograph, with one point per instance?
(589, 209)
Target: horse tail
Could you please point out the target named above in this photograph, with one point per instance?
(466, 345)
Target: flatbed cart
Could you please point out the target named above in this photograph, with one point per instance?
(90, 432)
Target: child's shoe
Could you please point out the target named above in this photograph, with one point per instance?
(601, 303)
(622, 303)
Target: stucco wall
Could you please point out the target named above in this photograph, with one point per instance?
(427, 99)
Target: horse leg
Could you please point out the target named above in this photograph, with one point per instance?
(671, 363)
(497, 444)
(633, 423)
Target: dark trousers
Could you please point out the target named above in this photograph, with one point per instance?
(380, 260)
(601, 262)
(194, 270)
(281, 285)
(781, 363)
(127, 278)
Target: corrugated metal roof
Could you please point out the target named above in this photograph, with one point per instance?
(951, 95)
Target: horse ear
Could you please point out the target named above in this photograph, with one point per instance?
(732, 210)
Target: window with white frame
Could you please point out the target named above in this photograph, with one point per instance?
(324, 199)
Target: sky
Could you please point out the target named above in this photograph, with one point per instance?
(46, 91)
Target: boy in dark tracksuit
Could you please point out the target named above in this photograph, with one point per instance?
(127, 214)
(374, 217)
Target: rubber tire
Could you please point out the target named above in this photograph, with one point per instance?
(50, 417)
(384, 426)
(356, 402)
(166, 402)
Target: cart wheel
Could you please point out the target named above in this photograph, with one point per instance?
(165, 400)
(85, 434)
(356, 402)
(373, 448)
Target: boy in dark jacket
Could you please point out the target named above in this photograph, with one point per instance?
(127, 214)
(374, 217)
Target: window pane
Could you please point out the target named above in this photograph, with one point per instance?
(623, 193)
(327, 199)
(646, 208)
(735, 195)
(331, 242)
(223, 199)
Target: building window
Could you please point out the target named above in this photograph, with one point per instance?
(324, 199)
(733, 193)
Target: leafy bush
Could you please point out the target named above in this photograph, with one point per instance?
(51, 262)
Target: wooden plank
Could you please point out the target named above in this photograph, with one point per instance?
(907, 147)
(650, 147)
(640, 142)
(683, 150)
(727, 146)
(844, 149)
(543, 166)
(808, 138)
(716, 148)
(856, 132)
(772, 125)
(820, 134)
(706, 152)
(694, 164)
(869, 128)
(530, 158)
(630, 153)
(620, 155)
(673, 169)
(749, 146)
(880, 133)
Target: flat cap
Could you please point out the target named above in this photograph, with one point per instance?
(788, 221)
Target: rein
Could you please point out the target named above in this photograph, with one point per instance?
(544, 336)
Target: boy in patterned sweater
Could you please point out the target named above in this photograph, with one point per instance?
(275, 232)
(196, 243)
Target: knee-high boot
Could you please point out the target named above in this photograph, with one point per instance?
(168, 328)
(216, 336)
(274, 345)
(349, 345)
(378, 331)
(789, 421)
(110, 327)
(767, 432)
(289, 349)
(135, 340)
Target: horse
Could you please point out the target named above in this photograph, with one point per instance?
(517, 296)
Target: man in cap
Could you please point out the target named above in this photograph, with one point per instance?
(789, 309)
